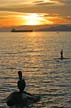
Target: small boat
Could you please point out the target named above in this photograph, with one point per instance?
(17, 99)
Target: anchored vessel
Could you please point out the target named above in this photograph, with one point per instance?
(18, 30)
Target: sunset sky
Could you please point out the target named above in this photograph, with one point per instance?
(34, 12)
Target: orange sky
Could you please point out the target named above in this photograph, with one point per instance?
(34, 12)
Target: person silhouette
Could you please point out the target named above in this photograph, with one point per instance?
(21, 98)
(61, 54)
(21, 82)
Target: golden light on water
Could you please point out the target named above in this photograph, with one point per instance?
(34, 19)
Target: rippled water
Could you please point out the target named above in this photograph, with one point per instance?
(36, 54)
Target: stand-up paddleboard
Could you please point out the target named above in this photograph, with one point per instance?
(62, 58)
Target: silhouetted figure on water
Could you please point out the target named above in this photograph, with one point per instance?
(21, 98)
(21, 83)
(61, 53)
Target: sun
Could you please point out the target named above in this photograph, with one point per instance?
(34, 19)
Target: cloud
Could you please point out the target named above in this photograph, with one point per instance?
(68, 17)
(46, 3)
(49, 3)
(63, 2)
(40, 1)
(40, 6)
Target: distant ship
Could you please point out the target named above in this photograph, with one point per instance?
(15, 30)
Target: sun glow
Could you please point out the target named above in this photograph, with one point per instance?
(34, 19)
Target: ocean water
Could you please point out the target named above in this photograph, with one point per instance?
(37, 55)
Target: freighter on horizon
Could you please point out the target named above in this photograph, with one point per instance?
(18, 30)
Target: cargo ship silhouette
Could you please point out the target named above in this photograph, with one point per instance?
(19, 30)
